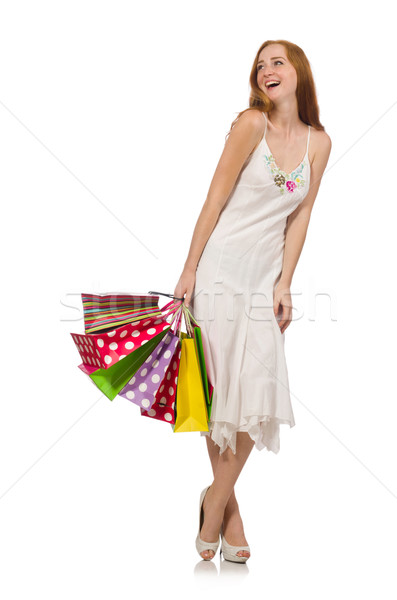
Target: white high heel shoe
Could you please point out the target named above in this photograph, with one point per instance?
(230, 552)
(200, 544)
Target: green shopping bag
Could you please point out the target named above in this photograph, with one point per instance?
(112, 380)
(203, 368)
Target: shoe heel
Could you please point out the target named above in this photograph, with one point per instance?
(230, 552)
(201, 545)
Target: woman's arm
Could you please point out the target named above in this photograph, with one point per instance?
(297, 225)
(244, 136)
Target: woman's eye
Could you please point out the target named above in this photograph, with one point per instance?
(275, 62)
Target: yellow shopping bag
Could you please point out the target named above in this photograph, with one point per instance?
(191, 406)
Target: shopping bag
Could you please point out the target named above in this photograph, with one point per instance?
(87, 369)
(208, 389)
(191, 406)
(141, 389)
(114, 377)
(210, 393)
(163, 407)
(203, 369)
(143, 386)
(103, 312)
(112, 380)
(104, 349)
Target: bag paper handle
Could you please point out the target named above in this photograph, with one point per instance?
(180, 324)
(190, 315)
(170, 308)
(189, 327)
(176, 319)
(188, 322)
(175, 307)
(178, 309)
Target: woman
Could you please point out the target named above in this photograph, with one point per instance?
(237, 276)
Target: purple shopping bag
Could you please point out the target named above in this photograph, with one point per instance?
(143, 386)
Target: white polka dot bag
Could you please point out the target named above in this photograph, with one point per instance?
(163, 407)
(143, 386)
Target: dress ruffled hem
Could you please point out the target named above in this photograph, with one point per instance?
(263, 430)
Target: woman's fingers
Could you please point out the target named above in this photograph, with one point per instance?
(179, 289)
(286, 320)
(276, 310)
(185, 287)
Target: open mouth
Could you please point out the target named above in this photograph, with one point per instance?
(272, 85)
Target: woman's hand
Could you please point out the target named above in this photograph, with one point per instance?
(186, 285)
(282, 305)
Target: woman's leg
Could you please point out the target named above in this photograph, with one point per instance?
(233, 528)
(213, 452)
(220, 502)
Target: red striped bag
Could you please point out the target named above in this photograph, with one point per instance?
(103, 312)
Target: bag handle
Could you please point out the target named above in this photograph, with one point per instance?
(189, 327)
(179, 325)
(179, 331)
(176, 319)
(188, 322)
(170, 308)
(169, 295)
(178, 309)
(190, 316)
(174, 307)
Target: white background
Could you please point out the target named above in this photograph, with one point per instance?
(113, 116)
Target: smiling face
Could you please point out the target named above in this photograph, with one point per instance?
(273, 65)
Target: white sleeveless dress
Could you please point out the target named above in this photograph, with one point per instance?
(233, 302)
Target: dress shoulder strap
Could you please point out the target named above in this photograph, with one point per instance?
(265, 117)
(308, 139)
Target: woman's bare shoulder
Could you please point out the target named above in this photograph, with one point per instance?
(252, 117)
(250, 125)
(321, 140)
(321, 146)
